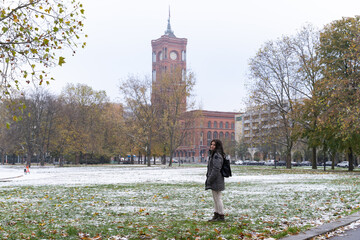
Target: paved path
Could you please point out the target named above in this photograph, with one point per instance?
(325, 228)
(353, 234)
(8, 173)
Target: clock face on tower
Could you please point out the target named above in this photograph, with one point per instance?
(173, 55)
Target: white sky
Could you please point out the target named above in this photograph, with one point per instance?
(222, 37)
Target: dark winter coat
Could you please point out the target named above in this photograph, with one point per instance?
(214, 178)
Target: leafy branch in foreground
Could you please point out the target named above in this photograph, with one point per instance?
(32, 35)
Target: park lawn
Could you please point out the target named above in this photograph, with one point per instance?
(260, 203)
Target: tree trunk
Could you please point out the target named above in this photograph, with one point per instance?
(171, 151)
(61, 161)
(332, 155)
(148, 157)
(42, 159)
(148, 160)
(288, 160)
(351, 159)
(77, 161)
(313, 159)
(28, 158)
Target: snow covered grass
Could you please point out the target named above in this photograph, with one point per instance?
(136, 202)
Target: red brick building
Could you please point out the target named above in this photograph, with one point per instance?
(208, 126)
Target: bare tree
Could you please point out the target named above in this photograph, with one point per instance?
(304, 45)
(274, 71)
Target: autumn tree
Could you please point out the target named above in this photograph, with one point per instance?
(141, 115)
(340, 62)
(113, 130)
(32, 36)
(80, 125)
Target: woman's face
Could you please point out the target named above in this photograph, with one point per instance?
(212, 146)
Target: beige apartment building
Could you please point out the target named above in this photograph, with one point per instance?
(255, 125)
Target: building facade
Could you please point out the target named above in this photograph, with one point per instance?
(255, 123)
(256, 127)
(208, 125)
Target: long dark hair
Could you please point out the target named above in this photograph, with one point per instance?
(218, 147)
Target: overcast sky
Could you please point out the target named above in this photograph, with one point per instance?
(222, 37)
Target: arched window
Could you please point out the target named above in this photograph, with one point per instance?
(221, 125)
(201, 138)
(232, 136)
(209, 124)
(226, 135)
(208, 138)
(183, 55)
(226, 125)
(232, 125)
(215, 124)
(154, 75)
(215, 135)
(221, 136)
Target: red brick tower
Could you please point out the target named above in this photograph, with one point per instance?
(168, 57)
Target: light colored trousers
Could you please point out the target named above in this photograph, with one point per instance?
(219, 206)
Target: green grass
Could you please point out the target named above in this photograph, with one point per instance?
(271, 205)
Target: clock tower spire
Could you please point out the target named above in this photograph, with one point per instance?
(168, 31)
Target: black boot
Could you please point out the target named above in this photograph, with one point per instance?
(214, 218)
(221, 217)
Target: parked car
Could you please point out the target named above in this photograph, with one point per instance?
(239, 162)
(328, 163)
(281, 163)
(305, 163)
(270, 162)
(253, 162)
(294, 164)
(343, 164)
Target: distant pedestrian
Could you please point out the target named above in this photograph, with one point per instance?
(214, 178)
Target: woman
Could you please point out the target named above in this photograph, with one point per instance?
(214, 178)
